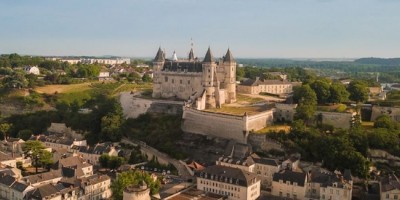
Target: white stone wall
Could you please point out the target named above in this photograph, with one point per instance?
(392, 112)
(392, 194)
(232, 191)
(336, 119)
(288, 190)
(224, 125)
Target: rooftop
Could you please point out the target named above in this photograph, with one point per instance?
(228, 175)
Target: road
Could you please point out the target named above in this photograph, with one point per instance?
(182, 170)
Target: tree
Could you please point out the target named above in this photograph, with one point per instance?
(321, 89)
(307, 103)
(110, 125)
(25, 134)
(125, 179)
(36, 151)
(358, 91)
(338, 93)
(103, 160)
(384, 121)
(146, 78)
(4, 130)
(115, 162)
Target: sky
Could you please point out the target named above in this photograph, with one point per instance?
(250, 28)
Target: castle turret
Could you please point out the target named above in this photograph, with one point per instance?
(229, 64)
(158, 64)
(209, 69)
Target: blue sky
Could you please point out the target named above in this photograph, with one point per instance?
(251, 28)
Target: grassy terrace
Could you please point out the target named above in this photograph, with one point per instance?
(239, 111)
(277, 127)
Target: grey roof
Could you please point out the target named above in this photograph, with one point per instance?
(191, 55)
(72, 161)
(44, 191)
(160, 56)
(6, 179)
(98, 149)
(37, 178)
(245, 162)
(291, 176)
(252, 82)
(228, 175)
(228, 56)
(18, 186)
(209, 57)
(266, 161)
(389, 183)
(182, 66)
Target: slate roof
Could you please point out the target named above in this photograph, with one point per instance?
(47, 190)
(182, 66)
(159, 56)
(257, 82)
(228, 175)
(389, 183)
(228, 57)
(245, 161)
(72, 161)
(18, 186)
(291, 176)
(266, 161)
(6, 179)
(98, 149)
(209, 57)
(94, 179)
(37, 178)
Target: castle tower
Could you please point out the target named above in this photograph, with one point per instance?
(191, 55)
(209, 69)
(158, 64)
(229, 64)
(137, 192)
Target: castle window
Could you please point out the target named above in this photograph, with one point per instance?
(173, 81)
(209, 70)
(180, 81)
(188, 81)
(166, 79)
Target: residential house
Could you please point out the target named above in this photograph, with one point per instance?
(289, 184)
(92, 154)
(52, 176)
(80, 167)
(390, 188)
(46, 192)
(234, 183)
(323, 184)
(265, 168)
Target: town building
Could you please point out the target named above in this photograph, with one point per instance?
(390, 187)
(233, 183)
(257, 86)
(289, 184)
(104, 75)
(265, 168)
(206, 84)
(323, 184)
(92, 154)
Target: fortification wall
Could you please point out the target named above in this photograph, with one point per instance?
(392, 112)
(336, 119)
(259, 121)
(134, 106)
(223, 125)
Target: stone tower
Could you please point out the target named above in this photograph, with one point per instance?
(208, 80)
(158, 63)
(229, 65)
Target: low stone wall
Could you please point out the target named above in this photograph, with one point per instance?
(336, 119)
(134, 106)
(224, 125)
(393, 112)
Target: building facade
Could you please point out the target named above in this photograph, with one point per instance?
(206, 84)
(233, 183)
(257, 86)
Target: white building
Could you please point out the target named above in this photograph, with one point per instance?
(32, 70)
(323, 184)
(257, 86)
(289, 184)
(234, 183)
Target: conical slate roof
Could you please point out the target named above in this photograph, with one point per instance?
(191, 55)
(228, 57)
(208, 57)
(160, 56)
